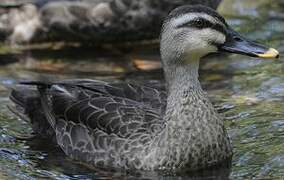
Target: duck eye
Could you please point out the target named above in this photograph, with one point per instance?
(198, 23)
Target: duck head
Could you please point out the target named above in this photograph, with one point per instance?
(191, 32)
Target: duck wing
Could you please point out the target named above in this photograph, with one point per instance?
(153, 95)
(116, 108)
(102, 123)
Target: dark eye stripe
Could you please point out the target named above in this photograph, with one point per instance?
(202, 23)
(199, 23)
(219, 28)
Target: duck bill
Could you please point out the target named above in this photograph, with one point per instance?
(236, 43)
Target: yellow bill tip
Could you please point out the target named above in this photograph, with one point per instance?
(271, 53)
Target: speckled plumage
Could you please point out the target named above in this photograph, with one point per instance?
(130, 126)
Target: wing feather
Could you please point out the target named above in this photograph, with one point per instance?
(103, 123)
(120, 109)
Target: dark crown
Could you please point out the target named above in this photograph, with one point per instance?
(195, 9)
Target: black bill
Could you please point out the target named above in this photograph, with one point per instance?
(236, 43)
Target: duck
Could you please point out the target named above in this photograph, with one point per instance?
(99, 21)
(131, 126)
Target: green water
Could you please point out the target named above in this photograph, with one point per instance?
(249, 92)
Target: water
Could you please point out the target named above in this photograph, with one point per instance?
(249, 92)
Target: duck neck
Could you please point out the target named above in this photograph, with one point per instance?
(182, 77)
(193, 126)
(185, 95)
(182, 86)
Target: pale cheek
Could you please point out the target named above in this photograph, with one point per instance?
(202, 38)
(197, 42)
(210, 35)
(193, 40)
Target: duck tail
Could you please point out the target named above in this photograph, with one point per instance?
(28, 106)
